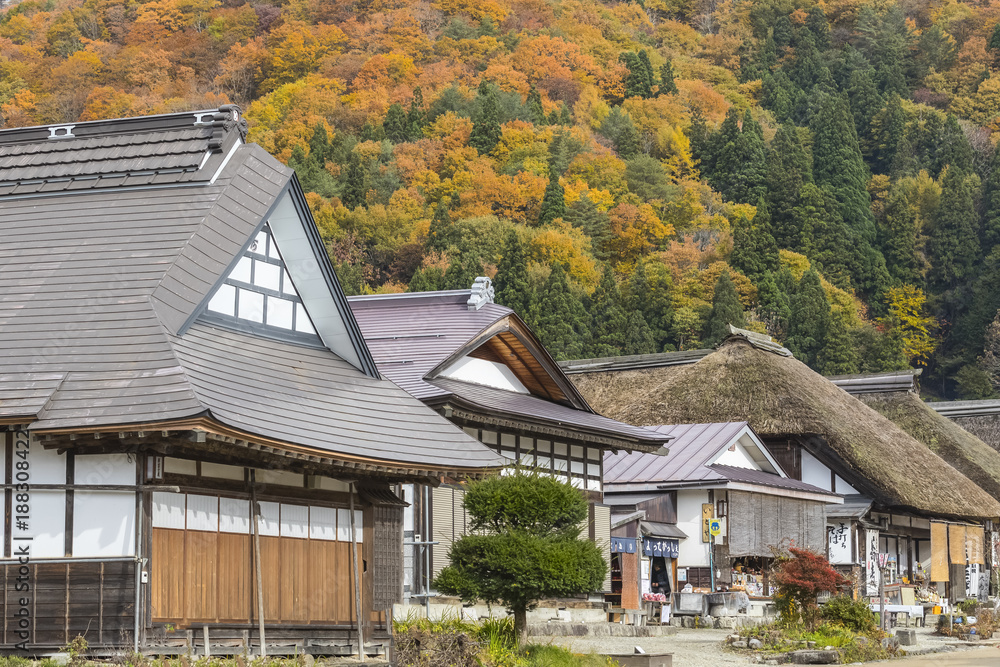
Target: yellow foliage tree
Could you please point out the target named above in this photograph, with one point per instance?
(906, 314)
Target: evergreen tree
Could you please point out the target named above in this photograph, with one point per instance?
(952, 148)
(637, 82)
(887, 129)
(437, 234)
(416, 117)
(608, 318)
(991, 208)
(817, 24)
(865, 101)
(554, 200)
(427, 279)
(809, 320)
(649, 294)
(565, 116)
(639, 337)
(994, 43)
(900, 234)
(754, 250)
(396, 124)
(667, 83)
(726, 310)
(838, 355)
(826, 239)
(740, 172)
(463, 272)
(511, 286)
(701, 142)
(354, 187)
(953, 245)
(878, 352)
(594, 223)
(774, 302)
(618, 127)
(562, 320)
(311, 172)
(650, 77)
(486, 120)
(370, 132)
(789, 167)
(534, 104)
(320, 148)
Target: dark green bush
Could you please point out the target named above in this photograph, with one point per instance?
(853, 614)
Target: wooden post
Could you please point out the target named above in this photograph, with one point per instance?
(204, 633)
(256, 558)
(357, 579)
(883, 621)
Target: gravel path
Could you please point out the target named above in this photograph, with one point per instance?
(691, 648)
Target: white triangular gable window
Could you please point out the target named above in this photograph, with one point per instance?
(259, 292)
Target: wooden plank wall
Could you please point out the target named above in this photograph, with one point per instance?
(202, 577)
(95, 599)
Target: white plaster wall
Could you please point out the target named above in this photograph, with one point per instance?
(96, 469)
(46, 524)
(843, 487)
(814, 472)
(47, 466)
(738, 458)
(693, 552)
(103, 523)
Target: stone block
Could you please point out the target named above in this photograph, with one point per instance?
(643, 659)
(813, 657)
(740, 644)
(755, 644)
(907, 637)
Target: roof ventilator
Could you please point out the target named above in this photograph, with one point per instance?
(482, 293)
(61, 132)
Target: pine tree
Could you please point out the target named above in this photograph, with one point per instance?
(726, 310)
(774, 302)
(637, 82)
(989, 361)
(608, 318)
(562, 320)
(554, 200)
(865, 101)
(952, 148)
(437, 234)
(416, 117)
(740, 172)
(354, 189)
(991, 208)
(639, 338)
(900, 235)
(994, 43)
(619, 128)
(701, 142)
(595, 224)
(486, 130)
(838, 356)
(565, 116)
(887, 129)
(649, 294)
(789, 167)
(396, 124)
(953, 245)
(754, 250)
(534, 104)
(511, 286)
(463, 272)
(667, 83)
(809, 319)
(817, 24)
(650, 77)
(427, 279)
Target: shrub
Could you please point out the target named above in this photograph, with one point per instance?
(800, 579)
(853, 614)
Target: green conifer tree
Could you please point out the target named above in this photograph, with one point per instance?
(637, 82)
(595, 224)
(667, 83)
(774, 308)
(619, 128)
(789, 167)
(396, 124)
(754, 250)
(991, 208)
(726, 310)
(608, 318)
(354, 187)
(562, 321)
(565, 116)
(639, 338)
(511, 285)
(486, 119)
(865, 101)
(463, 272)
(809, 319)
(554, 200)
(650, 77)
(741, 168)
(437, 234)
(649, 292)
(534, 104)
(953, 246)
(427, 279)
(416, 117)
(838, 356)
(887, 129)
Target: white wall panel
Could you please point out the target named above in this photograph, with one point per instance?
(234, 515)
(323, 523)
(103, 523)
(281, 477)
(359, 524)
(168, 510)
(329, 484)
(104, 469)
(343, 525)
(294, 520)
(180, 466)
(693, 552)
(46, 524)
(47, 466)
(270, 519)
(202, 512)
(814, 472)
(221, 471)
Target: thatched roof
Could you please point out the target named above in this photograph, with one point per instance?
(970, 455)
(780, 396)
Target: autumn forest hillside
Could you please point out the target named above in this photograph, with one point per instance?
(635, 175)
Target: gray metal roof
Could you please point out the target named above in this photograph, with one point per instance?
(762, 478)
(875, 383)
(953, 409)
(658, 529)
(513, 404)
(632, 361)
(691, 449)
(854, 507)
(412, 334)
(98, 285)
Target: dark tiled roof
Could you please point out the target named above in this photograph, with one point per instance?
(875, 383)
(532, 408)
(96, 287)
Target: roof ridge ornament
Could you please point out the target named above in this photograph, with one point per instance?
(61, 132)
(482, 293)
(229, 117)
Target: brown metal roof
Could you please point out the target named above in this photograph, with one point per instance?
(98, 289)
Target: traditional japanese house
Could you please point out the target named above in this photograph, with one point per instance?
(900, 498)
(478, 364)
(714, 471)
(197, 443)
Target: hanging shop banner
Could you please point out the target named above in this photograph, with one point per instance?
(839, 543)
(623, 545)
(871, 562)
(663, 548)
